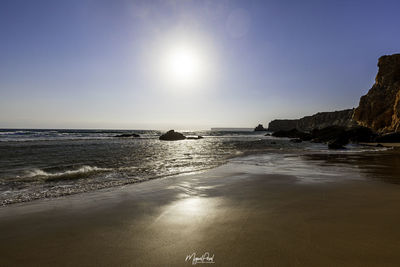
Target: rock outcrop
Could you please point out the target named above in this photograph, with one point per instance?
(194, 137)
(379, 109)
(171, 135)
(282, 125)
(126, 135)
(259, 128)
(320, 120)
(342, 118)
(293, 134)
(337, 136)
(388, 138)
(336, 144)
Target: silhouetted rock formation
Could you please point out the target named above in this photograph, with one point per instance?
(377, 113)
(328, 134)
(194, 137)
(335, 136)
(361, 134)
(379, 109)
(388, 138)
(282, 125)
(171, 135)
(293, 134)
(259, 128)
(127, 135)
(343, 135)
(337, 144)
(320, 120)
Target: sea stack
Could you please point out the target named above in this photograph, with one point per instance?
(259, 128)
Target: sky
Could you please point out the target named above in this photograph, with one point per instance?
(186, 64)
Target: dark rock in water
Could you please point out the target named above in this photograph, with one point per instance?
(331, 134)
(273, 143)
(127, 135)
(268, 134)
(344, 135)
(379, 145)
(360, 134)
(293, 134)
(336, 144)
(194, 137)
(379, 109)
(355, 135)
(171, 135)
(259, 128)
(388, 138)
(296, 140)
(328, 134)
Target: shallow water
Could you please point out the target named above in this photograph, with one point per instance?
(49, 163)
(315, 165)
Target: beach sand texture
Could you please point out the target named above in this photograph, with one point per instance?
(242, 219)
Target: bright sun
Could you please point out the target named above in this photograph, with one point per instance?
(183, 65)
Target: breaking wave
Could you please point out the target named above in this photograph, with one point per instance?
(83, 171)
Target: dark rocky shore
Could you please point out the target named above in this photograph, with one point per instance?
(376, 119)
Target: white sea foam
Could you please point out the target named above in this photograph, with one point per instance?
(81, 170)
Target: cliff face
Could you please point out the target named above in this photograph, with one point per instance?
(379, 109)
(317, 121)
(282, 125)
(325, 119)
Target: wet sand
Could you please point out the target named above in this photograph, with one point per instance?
(242, 219)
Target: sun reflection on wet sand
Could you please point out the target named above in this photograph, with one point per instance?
(188, 210)
(192, 206)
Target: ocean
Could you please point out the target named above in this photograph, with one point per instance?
(36, 164)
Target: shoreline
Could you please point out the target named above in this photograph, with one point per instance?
(124, 184)
(238, 213)
(382, 144)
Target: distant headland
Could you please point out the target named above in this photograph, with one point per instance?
(378, 110)
(231, 129)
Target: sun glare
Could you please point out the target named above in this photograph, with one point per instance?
(183, 62)
(183, 65)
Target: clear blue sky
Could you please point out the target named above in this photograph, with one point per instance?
(95, 64)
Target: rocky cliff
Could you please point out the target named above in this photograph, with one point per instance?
(317, 121)
(326, 119)
(379, 109)
(282, 125)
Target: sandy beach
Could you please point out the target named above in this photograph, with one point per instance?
(191, 133)
(242, 218)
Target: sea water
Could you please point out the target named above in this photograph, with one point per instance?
(38, 164)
